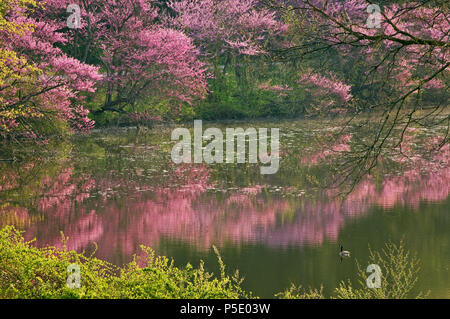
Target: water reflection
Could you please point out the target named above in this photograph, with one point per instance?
(121, 203)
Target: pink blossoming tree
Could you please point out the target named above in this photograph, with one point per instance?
(48, 85)
(400, 55)
(140, 58)
(234, 26)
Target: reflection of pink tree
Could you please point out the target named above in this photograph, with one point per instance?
(186, 212)
(328, 152)
(244, 218)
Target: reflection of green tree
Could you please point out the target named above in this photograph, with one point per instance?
(127, 155)
(26, 175)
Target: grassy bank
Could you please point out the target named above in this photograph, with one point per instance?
(30, 272)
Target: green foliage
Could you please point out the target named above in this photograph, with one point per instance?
(235, 96)
(399, 275)
(297, 292)
(30, 272)
(161, 279)
(37, 273)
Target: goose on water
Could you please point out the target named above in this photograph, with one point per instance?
(344, 253)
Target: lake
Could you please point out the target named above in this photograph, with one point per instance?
(116, 189)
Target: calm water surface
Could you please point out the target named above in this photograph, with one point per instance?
(119, 189)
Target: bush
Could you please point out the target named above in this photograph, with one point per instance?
(29, 272)
(35, 273)
(399, 276)
(297, 292)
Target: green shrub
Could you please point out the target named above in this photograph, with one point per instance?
(30, 272)
(298, 292)
(35, 273)
(399, 275)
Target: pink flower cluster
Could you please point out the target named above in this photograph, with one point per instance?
(328, 84)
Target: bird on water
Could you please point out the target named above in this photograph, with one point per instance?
(344, 253)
